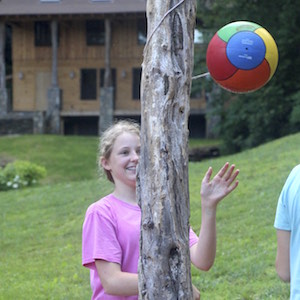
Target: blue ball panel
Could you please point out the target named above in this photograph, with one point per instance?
(246, 50)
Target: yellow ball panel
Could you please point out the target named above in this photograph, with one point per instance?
(271, 49)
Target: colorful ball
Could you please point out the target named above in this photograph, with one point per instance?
(242, 57)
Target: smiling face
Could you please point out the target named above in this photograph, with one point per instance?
(123, 160)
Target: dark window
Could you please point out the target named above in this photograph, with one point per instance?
(95, 32)
(113, 79)
(88, 84)
(42, 34)
(42, 31)
(142, 31)
(136, 83)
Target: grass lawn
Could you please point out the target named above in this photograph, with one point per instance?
(66, 158)
(41, 226)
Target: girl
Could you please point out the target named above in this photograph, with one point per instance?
(111, 229)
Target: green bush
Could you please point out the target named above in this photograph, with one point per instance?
(19, 174)
(295, 114)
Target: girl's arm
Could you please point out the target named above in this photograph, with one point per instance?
(212, 192)
(116, 282)
(283, 255)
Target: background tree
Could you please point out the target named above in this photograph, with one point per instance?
(274, 110)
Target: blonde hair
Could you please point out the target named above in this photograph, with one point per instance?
(108, 139)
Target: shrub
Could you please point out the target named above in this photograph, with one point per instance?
(19, 174)
(295, 114)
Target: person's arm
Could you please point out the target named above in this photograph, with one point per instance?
(116, 282)
(196, 293)
(212, 192)
(283, 255)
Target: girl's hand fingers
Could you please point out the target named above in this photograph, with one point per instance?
(207, 175)
(223, 170)
(233, 176)
(232, 186)
(229, 172)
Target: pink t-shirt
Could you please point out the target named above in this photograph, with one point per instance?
(111, 231)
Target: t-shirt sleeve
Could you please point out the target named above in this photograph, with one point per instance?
(99, 239)
(193, 237)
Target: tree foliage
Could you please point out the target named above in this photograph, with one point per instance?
(274, 110)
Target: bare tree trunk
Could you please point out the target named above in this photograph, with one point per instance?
(107, 91)
(162, 189)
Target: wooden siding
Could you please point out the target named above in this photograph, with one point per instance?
(32, 67)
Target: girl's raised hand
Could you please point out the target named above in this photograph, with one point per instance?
(213, 191)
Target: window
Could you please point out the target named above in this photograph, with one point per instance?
(142, 31)
(95, 32)
(88, 84)
(136, 83)
(42, 34)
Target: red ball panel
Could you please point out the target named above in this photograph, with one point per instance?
(217, 62)
(247, 80)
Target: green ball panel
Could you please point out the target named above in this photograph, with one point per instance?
(229, 30)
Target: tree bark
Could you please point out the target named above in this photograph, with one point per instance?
(162, 186)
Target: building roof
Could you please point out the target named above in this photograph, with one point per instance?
(68, 7)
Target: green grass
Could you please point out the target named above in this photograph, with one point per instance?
(41, 226)
(66, 158)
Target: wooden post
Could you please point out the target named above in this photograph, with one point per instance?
(107, 75)
(3, 91)
(107, 91)
(162, 187)
(54, 34)
(54, 95)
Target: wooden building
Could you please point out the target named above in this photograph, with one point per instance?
(53, 57)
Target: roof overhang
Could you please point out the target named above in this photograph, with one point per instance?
(70, 7)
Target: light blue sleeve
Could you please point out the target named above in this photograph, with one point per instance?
(282, 217)
(282, 220)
